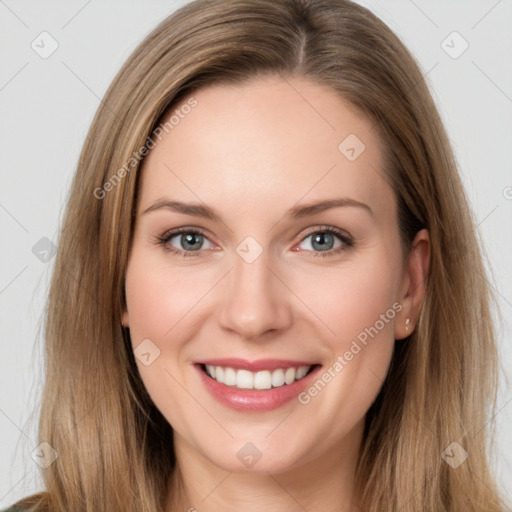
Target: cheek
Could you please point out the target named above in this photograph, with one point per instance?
(159, 297)
(359, 305)
(353, 298)
(161, 304)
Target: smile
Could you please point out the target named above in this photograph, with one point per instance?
(255, 386)
(266, 379)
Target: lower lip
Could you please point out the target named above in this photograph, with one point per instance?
(255, 400)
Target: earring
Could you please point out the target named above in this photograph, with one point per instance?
(407, 324)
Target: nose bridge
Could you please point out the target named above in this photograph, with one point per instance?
(253, 299)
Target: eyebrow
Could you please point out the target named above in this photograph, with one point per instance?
(201, 210)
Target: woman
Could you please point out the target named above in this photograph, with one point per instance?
(268, 292)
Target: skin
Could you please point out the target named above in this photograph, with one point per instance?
(251, 153)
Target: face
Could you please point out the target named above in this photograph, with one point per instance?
(266, 255)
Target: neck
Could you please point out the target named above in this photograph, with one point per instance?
(325, 483)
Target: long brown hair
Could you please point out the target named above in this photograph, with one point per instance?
(115, 448)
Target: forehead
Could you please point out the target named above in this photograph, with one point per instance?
(268, 141)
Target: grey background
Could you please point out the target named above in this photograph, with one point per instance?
(46, 106)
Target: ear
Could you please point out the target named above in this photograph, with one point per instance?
(414, 283)
(124, 319)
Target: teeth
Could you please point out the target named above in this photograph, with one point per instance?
(263, 380)
(244, 379)
(230, 377)
(301, 372)
(277, 378)
(289, 375)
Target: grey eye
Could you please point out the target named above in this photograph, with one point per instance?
(321, 241)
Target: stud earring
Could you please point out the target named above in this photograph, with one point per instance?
(407, 324)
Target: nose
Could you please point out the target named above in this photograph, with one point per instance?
(254, 301)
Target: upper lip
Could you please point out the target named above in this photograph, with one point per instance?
(255, 366)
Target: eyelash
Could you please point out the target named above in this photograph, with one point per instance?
(346, 240)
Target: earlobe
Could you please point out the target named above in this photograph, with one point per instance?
(414, 284)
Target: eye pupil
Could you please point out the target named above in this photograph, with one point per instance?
(324, 240)
(192, 241)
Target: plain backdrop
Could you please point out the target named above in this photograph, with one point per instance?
(48, 101)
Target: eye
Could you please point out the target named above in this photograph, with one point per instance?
(328, 240)
(324, 241)
(185, 241)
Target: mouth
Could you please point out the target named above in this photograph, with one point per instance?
(258, 380)
(255, 386)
